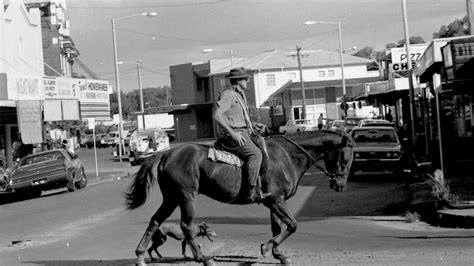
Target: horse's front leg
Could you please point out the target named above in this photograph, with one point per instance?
(165, 210)
(187, 217)
(279, 212)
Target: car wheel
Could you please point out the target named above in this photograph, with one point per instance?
(82, 183)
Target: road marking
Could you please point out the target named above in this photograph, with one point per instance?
(61, 233)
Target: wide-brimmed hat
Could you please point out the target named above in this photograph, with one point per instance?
(238, 73)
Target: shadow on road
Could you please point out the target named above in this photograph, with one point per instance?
(11, 197)
(366, 195)
(234, 259)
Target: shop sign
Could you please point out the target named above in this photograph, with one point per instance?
(25, 88)
(61, 88)
(30, 121)
(399, 57)
(94, 91)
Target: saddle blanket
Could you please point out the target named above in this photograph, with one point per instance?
(224, 156)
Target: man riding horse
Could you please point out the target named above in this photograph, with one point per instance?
(231, 114)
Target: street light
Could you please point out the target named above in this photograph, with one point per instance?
(142, 107)
(308, 23)
(117, 77)
(231, 54)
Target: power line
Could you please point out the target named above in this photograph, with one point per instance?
(214, 41)
(144, 6)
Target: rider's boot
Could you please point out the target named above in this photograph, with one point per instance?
(256, 197)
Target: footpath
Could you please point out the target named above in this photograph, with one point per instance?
(461, 184)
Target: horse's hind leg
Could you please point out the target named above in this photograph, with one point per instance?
(187, 217)
(276, 230)
(280, 211)
(165, 210)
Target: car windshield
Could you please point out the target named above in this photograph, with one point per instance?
(374, 135)
(147, 132)
(303, 122)
(352, 122)
(42, 158)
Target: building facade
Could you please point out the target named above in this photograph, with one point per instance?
(28, 98)
(446, 68)
(196, 86)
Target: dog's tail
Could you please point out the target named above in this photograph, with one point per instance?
(146, 176)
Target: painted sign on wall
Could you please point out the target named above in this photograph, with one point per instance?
(25, 88)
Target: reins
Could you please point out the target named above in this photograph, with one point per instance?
(315, 162)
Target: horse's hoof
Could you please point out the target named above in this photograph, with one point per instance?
(264, 249)
(210, 262)
(285, 261)
(141, 262)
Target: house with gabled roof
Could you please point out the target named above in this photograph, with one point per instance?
(274, 93)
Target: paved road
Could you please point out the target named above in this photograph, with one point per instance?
(91, 227)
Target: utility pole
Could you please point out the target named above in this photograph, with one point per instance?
(470, 18)
(410, 77)
(344, 93)
(303, 96)
(142, 106)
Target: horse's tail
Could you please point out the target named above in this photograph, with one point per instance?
(146, 176)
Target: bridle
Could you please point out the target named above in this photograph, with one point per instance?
(331, 176)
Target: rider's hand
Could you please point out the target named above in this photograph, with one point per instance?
(238, 138)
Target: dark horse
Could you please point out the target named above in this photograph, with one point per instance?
(185, 171)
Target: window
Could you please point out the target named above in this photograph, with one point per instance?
(321, 73)
(331, 73)
(271, 81)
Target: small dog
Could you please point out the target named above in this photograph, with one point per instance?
(174, 230)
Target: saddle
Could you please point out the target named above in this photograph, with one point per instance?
(223, 150)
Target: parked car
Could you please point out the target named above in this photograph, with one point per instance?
(44, 171)
(145, 143)
(109, 140)
(4, 179)
(337, 125)
(376, 149)
(328, 124)
(369, 121)
(90, 141)
(85, 139)
(299, 125)
(352, 122)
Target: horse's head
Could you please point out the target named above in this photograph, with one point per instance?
(338, 160)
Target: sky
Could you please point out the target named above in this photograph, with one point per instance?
(183, 28)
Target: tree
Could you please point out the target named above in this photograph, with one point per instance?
(459, 27)
(152, 97)
(413, 40)
(366, 52)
